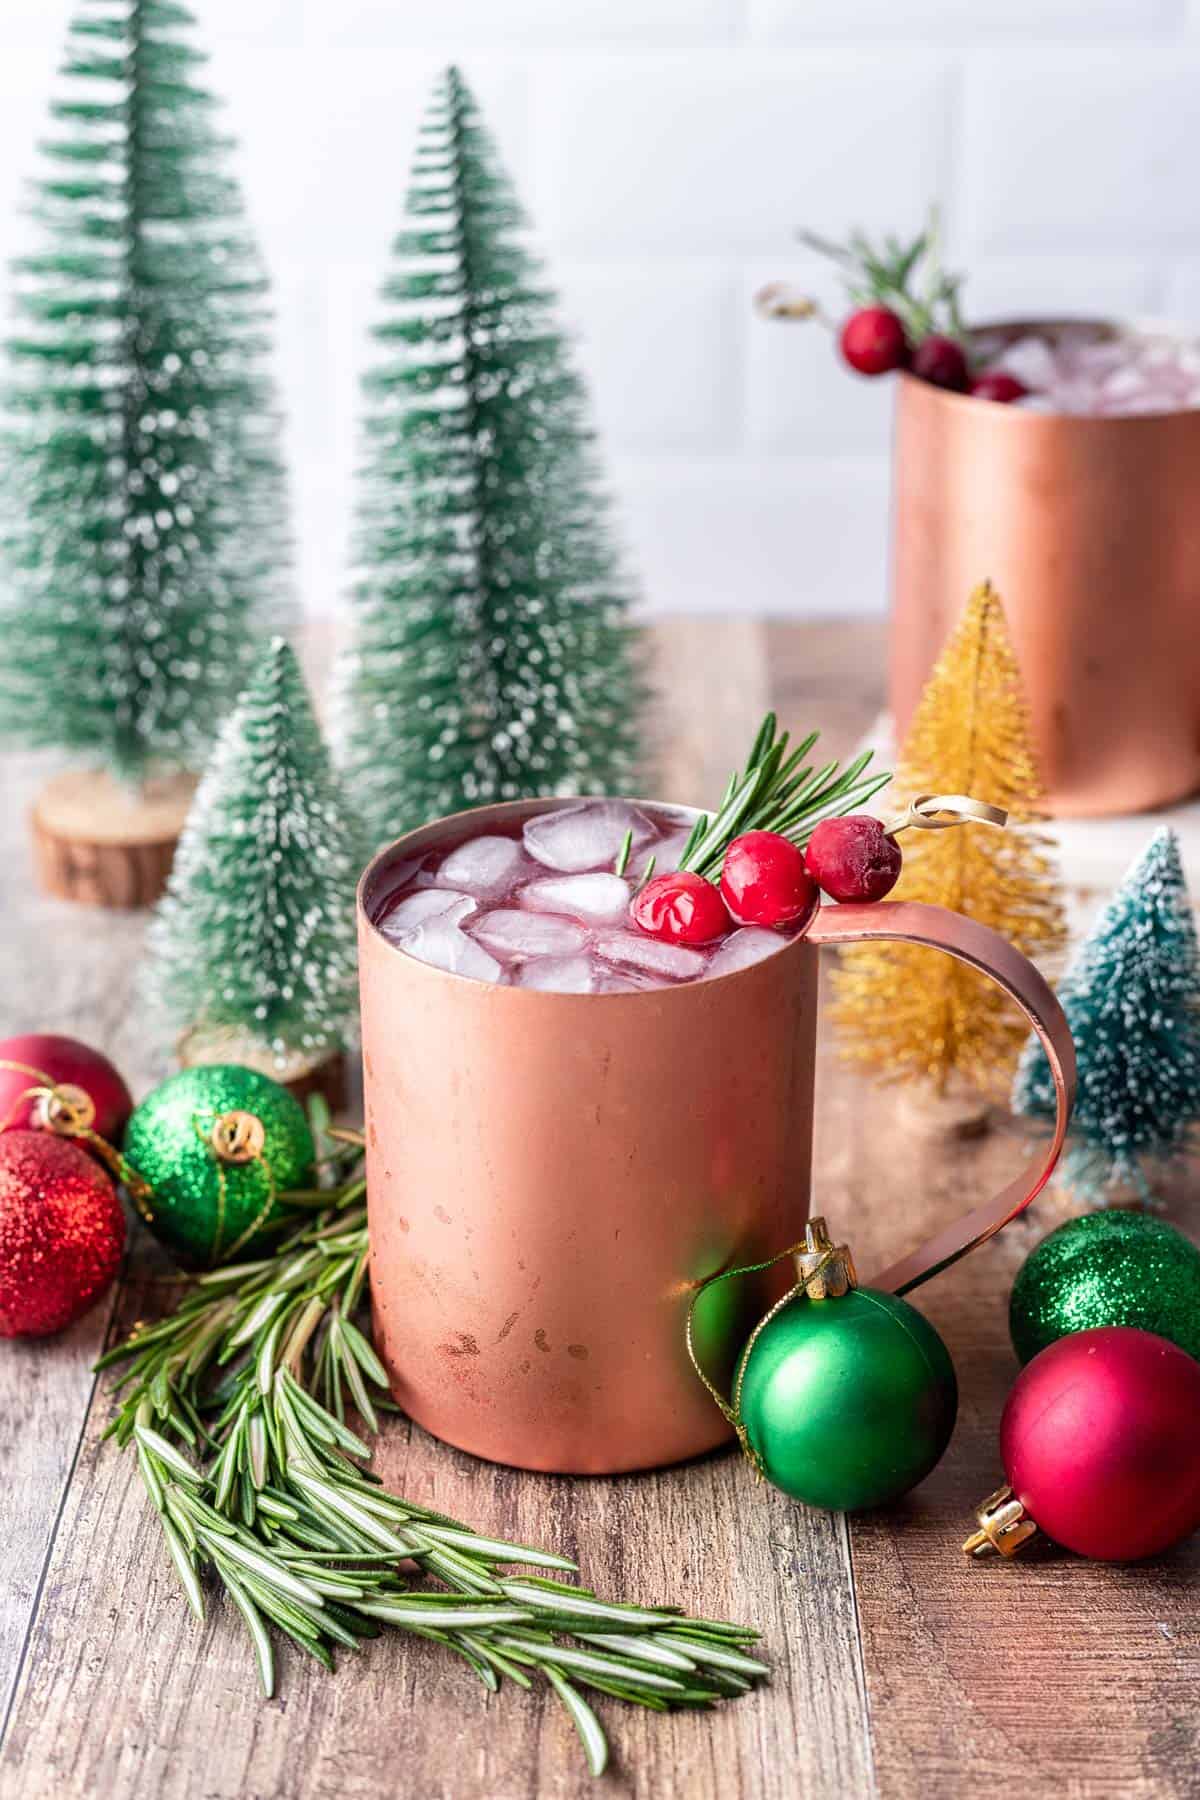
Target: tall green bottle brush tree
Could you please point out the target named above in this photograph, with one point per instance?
(492, 655)
(143, 528)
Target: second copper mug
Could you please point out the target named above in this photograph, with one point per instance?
(551, 1176)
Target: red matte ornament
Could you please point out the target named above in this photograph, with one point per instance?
(44, 1077)
(764, 880)
(1100, 1440)
(680, 908)
(62, 1233)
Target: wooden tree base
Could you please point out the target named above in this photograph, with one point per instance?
(301, 1075)
(958, 1113)
(99, 844)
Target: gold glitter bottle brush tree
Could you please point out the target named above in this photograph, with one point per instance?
(902, 1014)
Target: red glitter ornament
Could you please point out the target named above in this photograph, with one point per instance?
(764, 880)
(49, 1082)
(62, 1233)
(1100, 1446)
(680, 908)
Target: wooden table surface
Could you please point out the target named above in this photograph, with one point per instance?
(899, 1668)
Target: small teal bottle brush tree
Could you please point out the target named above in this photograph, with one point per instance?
(1132, 998)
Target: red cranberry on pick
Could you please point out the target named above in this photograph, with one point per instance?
(764, 880)
(872, 341)
(853, 858)
(998, 384)
(941, 360)
(680, 908)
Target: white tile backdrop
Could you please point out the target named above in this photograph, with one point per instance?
(667, 149)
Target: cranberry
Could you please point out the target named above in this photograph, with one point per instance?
(997, 384)
(765, 882)
(873, 342)
(853, 858)
(680, 908)
(941, 360)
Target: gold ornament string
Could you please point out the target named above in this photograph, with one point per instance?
(733, 1412)
(68, 1111)
(235, 1139)
(938, 812)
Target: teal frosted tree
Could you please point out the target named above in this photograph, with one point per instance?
(492, 655)
(1132, 998)
(253, 946)
(143, 519)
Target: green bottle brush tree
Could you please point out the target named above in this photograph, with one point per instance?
(1132, 1000)
(252, 955)
(143, 527)
(492, 658)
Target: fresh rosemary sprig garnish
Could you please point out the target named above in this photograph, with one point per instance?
(778, 791)
(254, 1376)
(907, 278)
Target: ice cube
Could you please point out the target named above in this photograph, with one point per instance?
(744, 947)
(1031, 360)
(446, 947)
(1124, 381)
(482, 866)
(1098, 359)
(603, 898)
(612, 983)
(425, 903)
(587, 835)
(513, 933)
(559, 975)
(675, 961)
(666, 853)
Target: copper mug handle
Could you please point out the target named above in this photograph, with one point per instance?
(910, 922)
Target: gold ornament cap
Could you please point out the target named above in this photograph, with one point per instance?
(66, 1110)
(238, 1137)
(824, 1270)
(1004, 1526)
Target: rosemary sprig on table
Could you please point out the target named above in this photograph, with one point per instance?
(237, 1408)
(778, 791)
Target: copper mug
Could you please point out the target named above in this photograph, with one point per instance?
(1089, 528)
(552, 1176)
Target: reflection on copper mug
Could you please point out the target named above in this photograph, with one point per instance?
(551, 1176)
(1089, 528)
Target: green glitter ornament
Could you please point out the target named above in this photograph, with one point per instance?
(1107, 1268)
(845, 1397)
(217, 1146)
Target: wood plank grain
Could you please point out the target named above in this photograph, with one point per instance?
(1049, 1675)
(712, 685)
(70, 969)
(122, 1694)
(1080, 1676)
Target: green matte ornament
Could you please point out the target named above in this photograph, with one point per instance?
(845, 1397)
(216, 1146)
(1107, 1268)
